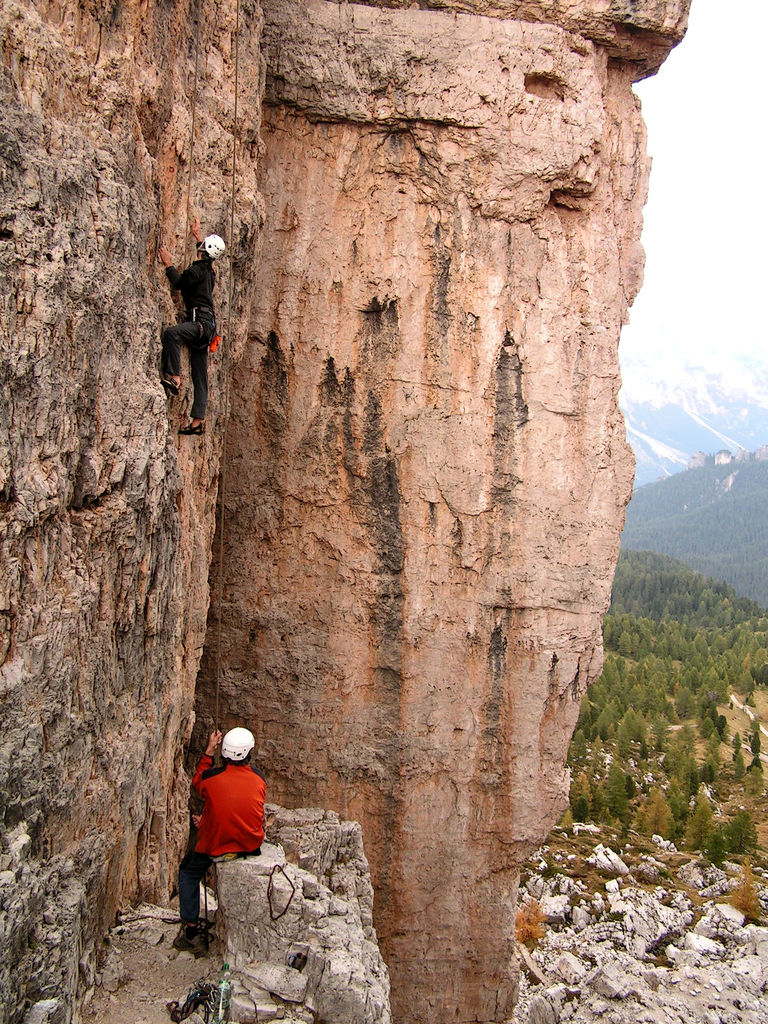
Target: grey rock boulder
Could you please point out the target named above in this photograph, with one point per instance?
(47, 1011)
(604, 859)
(570, 969)
(272, 909)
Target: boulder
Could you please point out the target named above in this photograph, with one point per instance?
(243, 1009)
(267, 917)
(570, 969)
(647, 921)
(541, 1011)
(691, 874)
(610, 981)
(580, 917)
(721, 920)
(759, 941)
(716, 978)
(752, 973)
(284, 982)
(555, 909)
(113, 975)
(646, 871)
(701, 944)
(664, 844)
(47, 1011)
(604, 859)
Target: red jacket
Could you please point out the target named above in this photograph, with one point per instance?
(233, 815)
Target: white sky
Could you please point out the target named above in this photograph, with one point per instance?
(706, 228)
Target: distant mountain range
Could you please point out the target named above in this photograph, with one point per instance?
(715, 519)
(692, 410)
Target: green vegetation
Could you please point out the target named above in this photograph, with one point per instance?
(714, 518)
(664, 742)
(657, 587)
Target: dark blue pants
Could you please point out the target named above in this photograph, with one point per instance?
(191, 872)
(188, 334)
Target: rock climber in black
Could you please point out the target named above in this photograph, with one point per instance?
(196, 285)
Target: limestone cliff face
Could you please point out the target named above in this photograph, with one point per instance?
(428, 465)
(107, 517)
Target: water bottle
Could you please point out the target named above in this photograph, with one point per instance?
(221, 996)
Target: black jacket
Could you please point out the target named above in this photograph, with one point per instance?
(195, 284)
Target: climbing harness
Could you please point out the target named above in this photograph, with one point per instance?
(272, 914)
(206, 318)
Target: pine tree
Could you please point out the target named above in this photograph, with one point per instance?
(616, 793)
(753, 783)
(716, 846)
(700, 823)
(624, 738)
(742, 833)
(684, 702)
(655, 817)
(578, 749)
(581, 794)
(659, 733)
(678, 804)
(713, 749)
(744, 897)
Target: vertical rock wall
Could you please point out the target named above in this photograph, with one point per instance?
(107, 516)
(428, 465)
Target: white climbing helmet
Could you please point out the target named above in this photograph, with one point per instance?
(237, 744)
(213, 246)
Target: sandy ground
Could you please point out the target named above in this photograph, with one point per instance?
(141, 971)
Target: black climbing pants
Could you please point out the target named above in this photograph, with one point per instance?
(191, 872)
(192, 335)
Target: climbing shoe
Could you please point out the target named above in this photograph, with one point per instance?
(170, 385)
(197, 430)
(194, 945)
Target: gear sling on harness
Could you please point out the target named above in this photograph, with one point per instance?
(205, 317)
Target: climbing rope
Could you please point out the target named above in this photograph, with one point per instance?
(272, 914)
(192, 135)
(223, 472)
(158, 218)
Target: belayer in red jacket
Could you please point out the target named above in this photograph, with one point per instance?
(232, 822)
